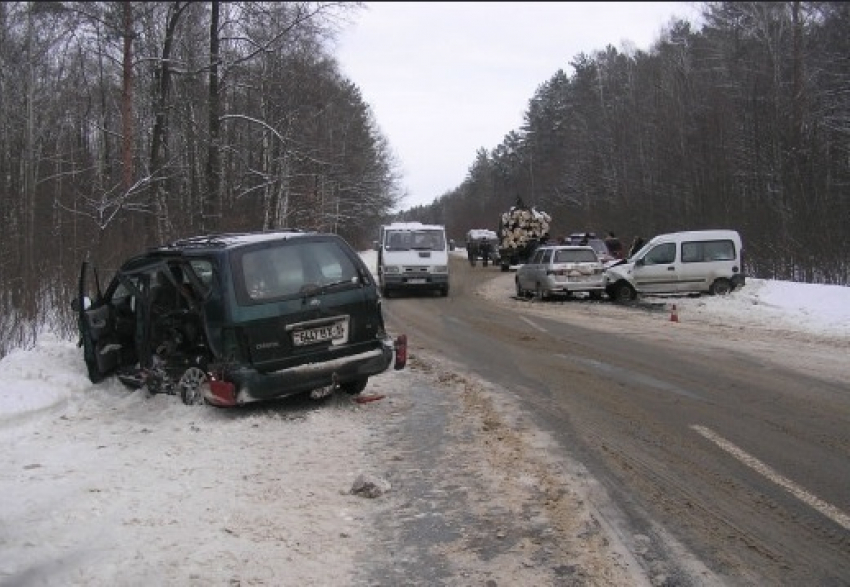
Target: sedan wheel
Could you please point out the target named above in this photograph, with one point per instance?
(191, 386)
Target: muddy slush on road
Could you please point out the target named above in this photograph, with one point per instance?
(481, 496)
(589, 474)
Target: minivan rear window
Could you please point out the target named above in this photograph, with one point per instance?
(289, 269)
(704, 251)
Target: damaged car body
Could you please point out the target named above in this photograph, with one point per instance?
(231, 319)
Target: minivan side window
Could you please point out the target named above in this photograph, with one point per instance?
(703, 251)
(661, 255)
(547, 256)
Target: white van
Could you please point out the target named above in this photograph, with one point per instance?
(413, 256)
(697, 261)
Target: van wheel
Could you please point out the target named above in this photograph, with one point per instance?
(354, 387)
(720, 287)
(520, 293)
(622, 292)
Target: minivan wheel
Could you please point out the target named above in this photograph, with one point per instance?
(190, 385)
(622, 292)
(720, 287)
(354, 387)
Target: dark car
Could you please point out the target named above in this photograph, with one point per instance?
(236, 318)
(590, 239)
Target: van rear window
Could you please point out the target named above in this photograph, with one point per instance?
(705, 251)
(287, 269)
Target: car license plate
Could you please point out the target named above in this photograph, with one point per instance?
(337, 332)
(416, 281)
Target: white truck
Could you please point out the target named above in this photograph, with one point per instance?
(413, 257)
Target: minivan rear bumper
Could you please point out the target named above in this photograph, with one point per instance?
(250, 385)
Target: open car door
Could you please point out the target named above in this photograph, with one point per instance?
(96, 323)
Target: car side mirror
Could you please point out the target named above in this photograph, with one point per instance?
(640, 262)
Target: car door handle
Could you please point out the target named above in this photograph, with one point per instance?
(671, 269)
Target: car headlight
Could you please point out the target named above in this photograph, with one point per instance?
(392, 269)
(441, 268)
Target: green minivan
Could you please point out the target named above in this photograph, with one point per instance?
(230, 319)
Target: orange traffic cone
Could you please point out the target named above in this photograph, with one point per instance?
(674, 314)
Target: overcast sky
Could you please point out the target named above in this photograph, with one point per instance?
(447, 78)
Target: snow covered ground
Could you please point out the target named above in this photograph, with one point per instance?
(106, 486)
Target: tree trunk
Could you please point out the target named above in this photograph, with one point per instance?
(212, 212)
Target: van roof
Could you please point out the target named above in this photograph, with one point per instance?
(413, 226)
(700, 234)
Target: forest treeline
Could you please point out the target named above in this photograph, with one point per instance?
(743, 124)
(128, 124)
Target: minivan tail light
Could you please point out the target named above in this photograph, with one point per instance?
(400, 346)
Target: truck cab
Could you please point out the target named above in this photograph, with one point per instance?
(413, 257)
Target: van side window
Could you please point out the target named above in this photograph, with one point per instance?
(661, 255)
(702, 251)
(547, 256)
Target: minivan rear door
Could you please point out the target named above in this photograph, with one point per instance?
(301, 297)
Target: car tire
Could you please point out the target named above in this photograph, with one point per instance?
(596, 295)
(720, 287)
(622, 292)
(190, 385)
(354, 387)
(386, 292)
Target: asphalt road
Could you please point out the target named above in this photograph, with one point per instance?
(741, 457)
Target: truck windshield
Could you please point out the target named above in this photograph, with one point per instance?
(420, 240)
